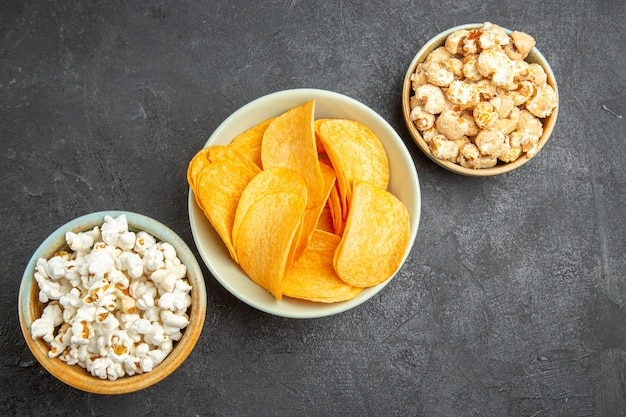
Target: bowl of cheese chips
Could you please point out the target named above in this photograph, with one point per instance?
(112, 302)
(304, 203)
(480, 100)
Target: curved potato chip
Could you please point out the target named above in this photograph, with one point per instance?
(268, 181)
(289, 141)
(375, 237)
(312, 277)
(325, 221)
(197, 164)
(266, 236)
(249, 142)
(218, 187)
(334, 203)
(356, 154)
(318, 142)
(313, 212)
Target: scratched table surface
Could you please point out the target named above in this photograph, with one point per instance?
(513, 299)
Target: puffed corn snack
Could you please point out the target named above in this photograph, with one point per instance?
(115, 303)
(476, 101)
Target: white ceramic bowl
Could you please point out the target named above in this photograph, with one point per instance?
(403, 183)
(30, 308)
(439, 40)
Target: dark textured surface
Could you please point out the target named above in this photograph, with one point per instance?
(513, 301)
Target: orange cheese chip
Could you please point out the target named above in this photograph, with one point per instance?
(375, 237)
(313, 211)
(356, 154)
(218, 186)
(265, 238)
(289, 142)
(269, 181)
(325, 222)
(197, 164)
(312, 277)
(318, 141)
(249, 142)
(334, 202)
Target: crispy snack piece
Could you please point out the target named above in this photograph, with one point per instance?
(249, 142)
(356, 154)
(318, 141)
(313, 211)
(289, 142)
(266, 236)
(197, 164)
(218, 186)
(334, 203)
(325, 222)
(269, 181)
(375, 237)
(312, 277)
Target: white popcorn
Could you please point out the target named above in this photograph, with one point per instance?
(118, 279)
(80, 242)
(125, 302)
(106, 368)
(87, 313)
(168, 250)
(119, 345)
(144, 241)
(175, 301)
(157, 355)
(152, 313)
(174, 320)
(131, 263)
(173, 323)
(156, 335)
(153, 258)
(164, 279)
(60, 342)
(145, 301)
(141, 326)
(147, 364)
(72, 271)
(182, 286)
(56, 267)
(112, 229)
(72, 300)
(141, 349)
(45, 325)
(167, 346)
(115, 304)
(106, 320)
(101, 262)
(144, 292)
(176, 267)
(82, 331)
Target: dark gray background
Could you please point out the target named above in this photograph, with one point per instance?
(513, 301)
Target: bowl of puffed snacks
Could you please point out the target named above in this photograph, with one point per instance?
(480, 100)
(112, 302)
(304, 203)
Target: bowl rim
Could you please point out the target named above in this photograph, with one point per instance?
(126, 384)
(548, 123)
(288, 307)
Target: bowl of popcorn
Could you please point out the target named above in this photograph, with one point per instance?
(480, 100)
(112, 302)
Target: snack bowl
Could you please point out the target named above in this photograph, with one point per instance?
(439, 40)
(403, 184)
(30, 308)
